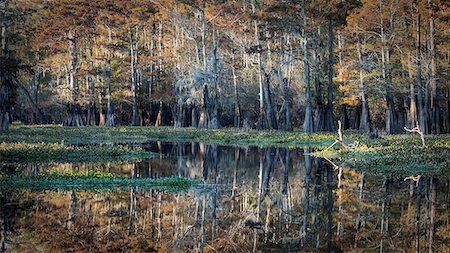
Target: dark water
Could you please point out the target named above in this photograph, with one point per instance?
(255, 199)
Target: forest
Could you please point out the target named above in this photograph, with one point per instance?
(224, 126)
(373, 65)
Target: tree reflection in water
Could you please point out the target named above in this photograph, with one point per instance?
(255, 199)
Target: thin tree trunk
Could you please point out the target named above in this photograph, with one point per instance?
(110, 122)
(365, 123)
(308, 123)
(271, 119)
(92, 110)
(237, 106)
(320, 110)
(435, 108)
(204, 106)
(214, 118)
(260, 69)
(329, 116)
(135, 119)
(4, 87)
(412, 115)
(74, 117)
(385, 60)
(422, 118)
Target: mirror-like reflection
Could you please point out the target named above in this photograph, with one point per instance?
(255, 199)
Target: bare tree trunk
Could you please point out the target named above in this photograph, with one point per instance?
(365, 123)
(109, 110)
(135, 119)
(92, 109)
(320, 110)
(214, 111)
(422, 118)
(386, 71)
(4, 87)
(260, 69)
(435, 107)
(204, 105)
(412, 114)
(308, 123)
(74, 117)
(159, 121)
(271, 119)
(329, 116)
(237, 106)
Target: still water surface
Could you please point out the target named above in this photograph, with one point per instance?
(253, 199)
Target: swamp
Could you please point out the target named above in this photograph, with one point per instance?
(224, 126)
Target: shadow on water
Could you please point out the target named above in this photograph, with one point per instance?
(256, 199)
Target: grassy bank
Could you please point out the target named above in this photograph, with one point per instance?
(227, 136)
(386, 154)
(56, 152)
(397, 155)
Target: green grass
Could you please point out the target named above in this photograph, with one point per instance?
(227, 136)
(396, 155)
(56, 152)
(93, 181)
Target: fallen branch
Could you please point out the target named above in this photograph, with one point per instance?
(417, 130)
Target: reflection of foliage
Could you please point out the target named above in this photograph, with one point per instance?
(55, 152)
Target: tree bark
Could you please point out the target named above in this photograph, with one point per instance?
(435, 98)
(422, 118)
(110, 122)
(271, 119)
(204, 105)
(365, 123)
(237, 106)
(319, 117)
(4, 87)
(308, 123)
(329, 116)
(135, 119)
(260, 68)
(386, 71)
(92, 109)
(74, 116)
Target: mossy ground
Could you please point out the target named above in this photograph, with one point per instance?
(57, 152)
(396, 155)
(123, 134)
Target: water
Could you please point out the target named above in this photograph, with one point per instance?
(254, 199)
